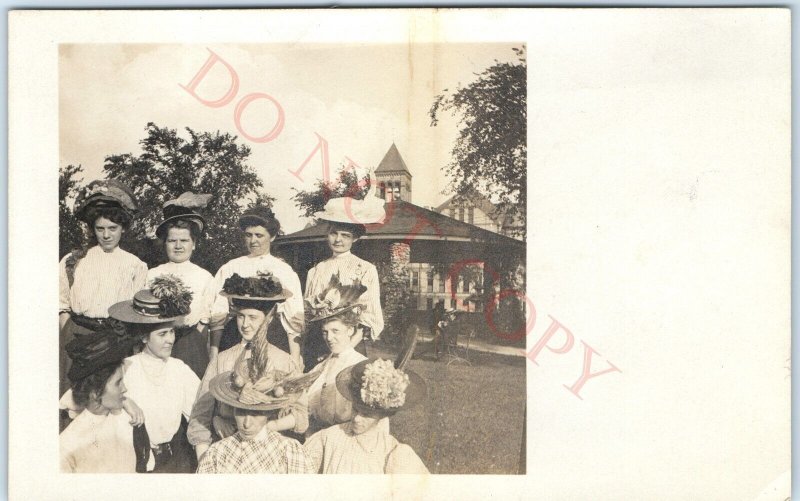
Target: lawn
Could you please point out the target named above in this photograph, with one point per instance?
(472, 418)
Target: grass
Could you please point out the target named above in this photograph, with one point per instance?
(472, 418)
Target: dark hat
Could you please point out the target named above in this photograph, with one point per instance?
(257, 216)
(184, 208)
(336, 298)
(166, 300)
(263, 287)
(104, 193)
(96, 350)
(376, 387)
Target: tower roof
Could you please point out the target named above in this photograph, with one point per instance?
(392, 163)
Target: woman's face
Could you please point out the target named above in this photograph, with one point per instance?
(114, 391)
(108, 233)
(340, 241)
(337, 335)
(257, 240)
(362, 424)
(179, 245)
(249, 423)
(159, 342)
(248, 320)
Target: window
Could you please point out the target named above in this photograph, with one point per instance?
(461, 213)
(441, 283)
(471, 216)
(452, 212)
(415, 280)
(429, 303)
(396, 191)
(429, 273)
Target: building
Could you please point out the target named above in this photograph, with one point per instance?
(478, 210)
(444, 258)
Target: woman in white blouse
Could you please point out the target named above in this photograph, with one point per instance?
(92, 279)
(179, 232)
(163, 387)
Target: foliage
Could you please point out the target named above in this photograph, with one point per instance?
(204, 163)
(348, 183)
(490, 151)
(70, 230)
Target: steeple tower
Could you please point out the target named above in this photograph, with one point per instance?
(393, 177)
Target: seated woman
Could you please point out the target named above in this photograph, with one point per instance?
(364, 445)
(337, 311)
(163, 387)
(250, 389)
(100, 439)
(254, 300)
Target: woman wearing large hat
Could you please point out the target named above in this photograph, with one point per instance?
(346, 219)
(255, 302)
(258, 393)
(364, 445)
(101, 439)
(160, 388)
(179, 232)
(94, 278)
(163, 387)
(336, 313)
(259, 228)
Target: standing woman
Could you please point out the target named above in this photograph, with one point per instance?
(259, 228)
(92, 280)
(341, 214)
(179, 232)
(164, 388)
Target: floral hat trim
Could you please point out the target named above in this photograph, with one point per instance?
(263, 286)
(335, 298)
(382, 386)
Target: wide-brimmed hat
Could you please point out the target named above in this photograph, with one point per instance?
(377, 387)
(335, 298)
(167, 300)
(257, 216)
(370, 210)
(224, 390)
(96, 350)
(263, 287)
(184, 208)
(104, 193)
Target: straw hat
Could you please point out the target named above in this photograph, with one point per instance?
(167, 300)
(104, 193)
(224, 390)
(183, 208)
(376, 387)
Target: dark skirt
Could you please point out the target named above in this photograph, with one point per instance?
(178, 456)
(191, 347)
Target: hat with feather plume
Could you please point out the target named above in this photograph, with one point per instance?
(334, 299)
(184, 208)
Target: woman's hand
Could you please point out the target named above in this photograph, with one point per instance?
(133, 410)
(201, 449)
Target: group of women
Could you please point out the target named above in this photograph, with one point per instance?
(176, 370)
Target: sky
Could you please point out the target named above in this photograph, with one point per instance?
(360, 98)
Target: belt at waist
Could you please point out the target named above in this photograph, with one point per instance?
(165, 448)
(96, 324)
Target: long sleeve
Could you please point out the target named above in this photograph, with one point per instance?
(372, 316)
(191, 386)
(199, 429)
(63, 285)
(218, 310)
(293, 317)
(138, 279)
(315, 449)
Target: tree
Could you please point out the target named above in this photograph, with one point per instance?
(347, 184)
(205, 163)
(70, 230)
(489, 153)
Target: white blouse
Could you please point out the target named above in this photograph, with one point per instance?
(164, 390)
(196, 279)
(98, 444)
(101, 280)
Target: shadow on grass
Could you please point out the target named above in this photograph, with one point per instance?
(471, 421)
